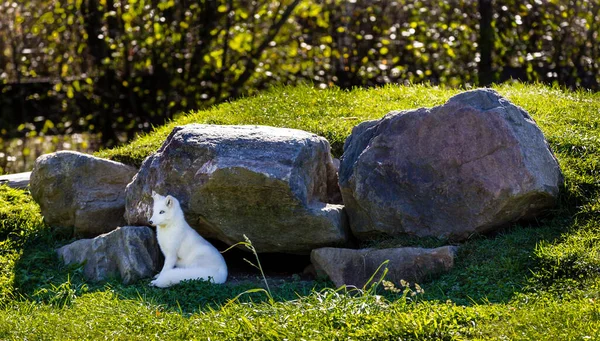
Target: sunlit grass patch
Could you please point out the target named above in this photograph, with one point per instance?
(330, 113)
(18, 212)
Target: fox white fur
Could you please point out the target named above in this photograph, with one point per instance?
(187, 255)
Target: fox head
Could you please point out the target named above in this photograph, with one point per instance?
(164, 210)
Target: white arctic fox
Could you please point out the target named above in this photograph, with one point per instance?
(187, 254)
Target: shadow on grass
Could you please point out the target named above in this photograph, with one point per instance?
(487, 269)
(521, 258)
(40, 276)
(492, 269)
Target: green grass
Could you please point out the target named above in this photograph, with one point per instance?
(331, 114)
(19, 214)
(529, 282)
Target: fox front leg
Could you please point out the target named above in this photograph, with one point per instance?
(170, 260)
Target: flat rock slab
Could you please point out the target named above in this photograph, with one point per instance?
(469, 166)
(355, 267)
(274, 185)
(17, 180)
(129, 252)
(80, 194)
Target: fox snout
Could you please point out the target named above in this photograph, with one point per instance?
(151, 222)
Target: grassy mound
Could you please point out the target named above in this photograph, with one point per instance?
(329, 113)
(539, 281)
(19, 214)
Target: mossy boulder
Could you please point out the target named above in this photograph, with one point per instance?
(274, 185)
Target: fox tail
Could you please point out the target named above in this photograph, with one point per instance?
(176, 275)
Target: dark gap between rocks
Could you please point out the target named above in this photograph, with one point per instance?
(280, 266)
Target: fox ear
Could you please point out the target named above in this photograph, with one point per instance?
(153, 194)
(169, 201)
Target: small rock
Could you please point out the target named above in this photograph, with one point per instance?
(80, 194)
(130, 252)
(355, 267)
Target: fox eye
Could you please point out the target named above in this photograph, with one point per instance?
(161, 212)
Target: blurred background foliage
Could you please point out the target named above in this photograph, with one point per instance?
(114, 68)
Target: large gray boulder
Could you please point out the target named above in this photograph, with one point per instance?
(469, 166)
(80, 193)
(355, 267)
(129, 252)
(271, 184)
